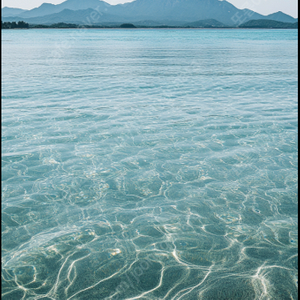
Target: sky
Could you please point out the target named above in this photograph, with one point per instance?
(263, 7)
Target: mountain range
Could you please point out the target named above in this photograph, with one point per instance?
(147, 12)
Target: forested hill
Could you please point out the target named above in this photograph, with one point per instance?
(13, 25)
(268, 24)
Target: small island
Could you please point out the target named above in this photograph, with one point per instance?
(127, 25)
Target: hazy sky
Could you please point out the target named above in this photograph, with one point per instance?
(264, 7)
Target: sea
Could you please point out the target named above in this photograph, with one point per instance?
(152, 164)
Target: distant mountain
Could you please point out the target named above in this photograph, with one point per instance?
(10, 12)
(281, 17)
(179, 10)
(165, 12)
(48, 9)
(80, 17)
(44, 9)
(268, 24)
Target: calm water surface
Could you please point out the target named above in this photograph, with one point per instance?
(149, 164)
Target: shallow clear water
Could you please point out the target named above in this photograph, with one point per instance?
(149, 164)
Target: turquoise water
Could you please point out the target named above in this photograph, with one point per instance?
(149, 164)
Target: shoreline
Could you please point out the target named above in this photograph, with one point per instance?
(209, 28)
